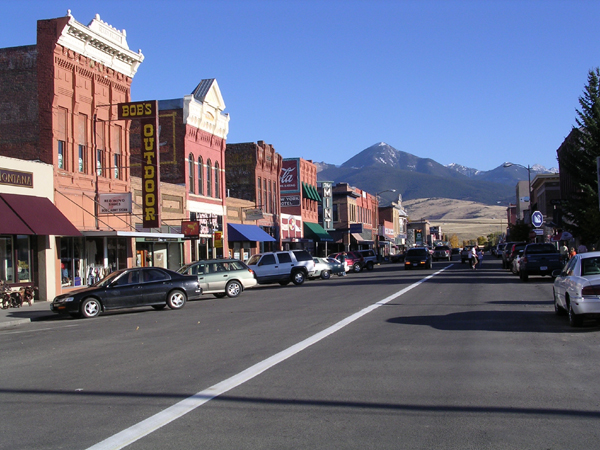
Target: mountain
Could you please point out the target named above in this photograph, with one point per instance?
(382, 168)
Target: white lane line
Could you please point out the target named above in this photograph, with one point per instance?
(153, 423)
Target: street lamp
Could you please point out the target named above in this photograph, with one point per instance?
(528, 168)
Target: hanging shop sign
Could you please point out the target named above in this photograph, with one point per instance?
(115, 203)
(147, 112)
(190, 229)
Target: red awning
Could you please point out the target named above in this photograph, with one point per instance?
(10, 223)
(39, 215)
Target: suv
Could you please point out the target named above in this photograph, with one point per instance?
(354, 261)
(464, 253)
(282, 267)
(442, 252)
(370, 258)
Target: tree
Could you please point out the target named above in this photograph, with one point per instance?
(578, 159)
(519, 232)
(454, 241)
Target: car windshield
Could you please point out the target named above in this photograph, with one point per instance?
(109, 279)
(417, 252)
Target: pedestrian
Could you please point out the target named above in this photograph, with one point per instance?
(564, 253)
(342, 259)
(480, 257)
(582, 248)
(572, 253)
(473, 257)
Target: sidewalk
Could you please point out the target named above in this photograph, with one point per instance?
(25, 314)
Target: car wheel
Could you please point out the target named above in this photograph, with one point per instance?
(370, 265)
(90, 307)
(356, 268)
(220, 294)
(233, 289)
(159, 307)
(575, 320)
(298, 277)
(176, 300)
(326, 275)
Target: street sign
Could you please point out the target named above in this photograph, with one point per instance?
(537, 219)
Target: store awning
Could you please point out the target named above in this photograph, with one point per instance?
(316, 232)
(243, 233)
(360, 239)
(310, 192)
(10, 223)
(37, 214)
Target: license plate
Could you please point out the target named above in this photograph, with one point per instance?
(415, 264)
(543, 268)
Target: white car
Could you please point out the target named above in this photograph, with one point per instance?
(577, 288)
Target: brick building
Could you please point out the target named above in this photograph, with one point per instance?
(300, 201)
(253, 171)
(55, 96)
(193, 134)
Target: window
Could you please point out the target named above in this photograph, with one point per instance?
(117, 166)
(191, 172)
(100, 147)
(267, 260)
(259, 197)
(99, 162)
(200, 172)
(284, 258)
(217, 184)
(116, 149)
(264, 203)
(208, 179)
(23, 260)
(7, 256)
(62, 157)
(82, 157)
(61, 136)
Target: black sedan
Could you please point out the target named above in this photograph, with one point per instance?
(417, 257)
(130, 288)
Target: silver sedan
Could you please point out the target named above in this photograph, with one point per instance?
(577, 288)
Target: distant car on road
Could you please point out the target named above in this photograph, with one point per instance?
(442, 252)
(354, 260)
(130, 288)
(577, 288)
(221, 277)
(325, 267)
(370, 258)
(417, 257)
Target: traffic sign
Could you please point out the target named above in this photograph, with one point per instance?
(537, 219)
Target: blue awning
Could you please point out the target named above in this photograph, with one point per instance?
(237, 232)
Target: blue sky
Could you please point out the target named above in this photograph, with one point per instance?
(471, 82)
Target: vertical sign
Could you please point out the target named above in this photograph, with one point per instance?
(327, 205)
(147, 112)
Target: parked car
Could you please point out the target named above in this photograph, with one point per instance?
(506, 253)
(577, 288)
(325, 267)
(516, 250)
(442, 252)
(397, 257)
(221, 277)
(417, 257)
(354, 261)
(539, 259)
(369, 257)
(130, 288)
(514, 265)
(499, 250)
(282, 267)
(464, 253)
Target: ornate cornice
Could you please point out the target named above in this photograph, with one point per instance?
(102, 43)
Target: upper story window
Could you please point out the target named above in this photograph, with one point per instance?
(200, 176)
(61, 135)
(208, 178)
(191, 172)
(82, 147)
(217, 181)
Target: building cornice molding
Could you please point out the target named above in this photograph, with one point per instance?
(101, 43)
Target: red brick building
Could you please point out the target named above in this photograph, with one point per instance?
(300, 201)
(193, 134)
(253, 174)
(55, 96)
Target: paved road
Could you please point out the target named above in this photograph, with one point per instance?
(384, 360)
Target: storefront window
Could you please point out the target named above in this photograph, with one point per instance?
(72, 262)
(23, 259)
(6, 259)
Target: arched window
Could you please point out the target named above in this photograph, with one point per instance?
(191, 173)
(208, 179)
(200, 176)
(217, 181)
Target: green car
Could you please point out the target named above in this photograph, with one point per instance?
(221, 277)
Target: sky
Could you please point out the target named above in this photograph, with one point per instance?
(476, 83)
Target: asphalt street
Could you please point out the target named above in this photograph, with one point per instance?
(447, 358)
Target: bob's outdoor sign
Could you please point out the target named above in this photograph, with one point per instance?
(147, 112)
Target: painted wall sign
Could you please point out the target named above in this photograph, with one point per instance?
(289, 177)
(16, 178)
(137, 110)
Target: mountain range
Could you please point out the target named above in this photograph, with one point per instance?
(383, 168)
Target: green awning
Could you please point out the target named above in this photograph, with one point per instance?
(317, 196)
(310, 192)
(316, 232)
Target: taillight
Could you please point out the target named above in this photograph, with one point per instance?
(523, 260)
(591, 290)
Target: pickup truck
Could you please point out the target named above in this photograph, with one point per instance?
(539, 259)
